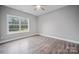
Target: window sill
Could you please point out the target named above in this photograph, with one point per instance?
(17, 32)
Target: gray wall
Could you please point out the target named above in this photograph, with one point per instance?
(3, 20)
(62, 23)
(0, 22)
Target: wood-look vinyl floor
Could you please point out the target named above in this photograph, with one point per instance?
(38, 45)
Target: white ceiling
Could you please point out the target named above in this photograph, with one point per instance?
(30, 9)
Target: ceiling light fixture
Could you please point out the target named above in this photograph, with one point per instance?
(39, 7)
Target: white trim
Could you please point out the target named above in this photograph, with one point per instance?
(42, 35)
(17, 38)
(60, 38)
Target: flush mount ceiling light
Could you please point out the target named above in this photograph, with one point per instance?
(39, 7)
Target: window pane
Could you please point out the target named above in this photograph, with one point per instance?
(13, 20)
(24, 21)
(24, 27)
(13, 27)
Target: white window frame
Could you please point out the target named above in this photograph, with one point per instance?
(19, 25)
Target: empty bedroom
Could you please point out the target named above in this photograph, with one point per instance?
(39, 29)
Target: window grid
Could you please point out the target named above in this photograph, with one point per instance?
(20, 24)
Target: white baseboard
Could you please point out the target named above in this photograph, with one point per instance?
(16, 38)
(41, 35)
(60, 38)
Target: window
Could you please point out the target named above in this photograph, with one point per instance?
(17, 24)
